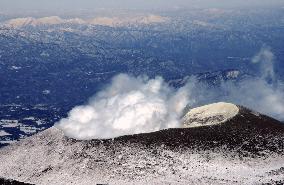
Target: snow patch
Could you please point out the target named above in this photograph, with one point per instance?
(16, 68)
(46, 92)
(233, 74)
(3, 133)
(9, 123)
(211, 114)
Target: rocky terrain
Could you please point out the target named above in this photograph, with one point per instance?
(244, 148)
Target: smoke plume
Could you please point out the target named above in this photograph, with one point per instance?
(265, 58)
(128, 106)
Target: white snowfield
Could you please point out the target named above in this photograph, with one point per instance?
(211, 114)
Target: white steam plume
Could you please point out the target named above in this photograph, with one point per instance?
(254, 93)
(266, 60)
(128, 106)
(264, 93)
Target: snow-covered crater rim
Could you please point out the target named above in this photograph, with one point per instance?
(211, 114)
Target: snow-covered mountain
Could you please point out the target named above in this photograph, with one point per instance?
(244, 147)
(104, 21)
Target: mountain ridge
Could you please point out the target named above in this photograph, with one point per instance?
(104, 21)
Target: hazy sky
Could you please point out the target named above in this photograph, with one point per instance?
(60, 5)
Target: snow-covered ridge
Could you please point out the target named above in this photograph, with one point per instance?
(211, 114)
(105, 21)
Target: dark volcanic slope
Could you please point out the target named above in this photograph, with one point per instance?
(247, 132)
(11, 182)
(248, 149)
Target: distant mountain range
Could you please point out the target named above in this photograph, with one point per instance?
(221, 143)
(104, 21)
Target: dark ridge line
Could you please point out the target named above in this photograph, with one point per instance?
(12, 182)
